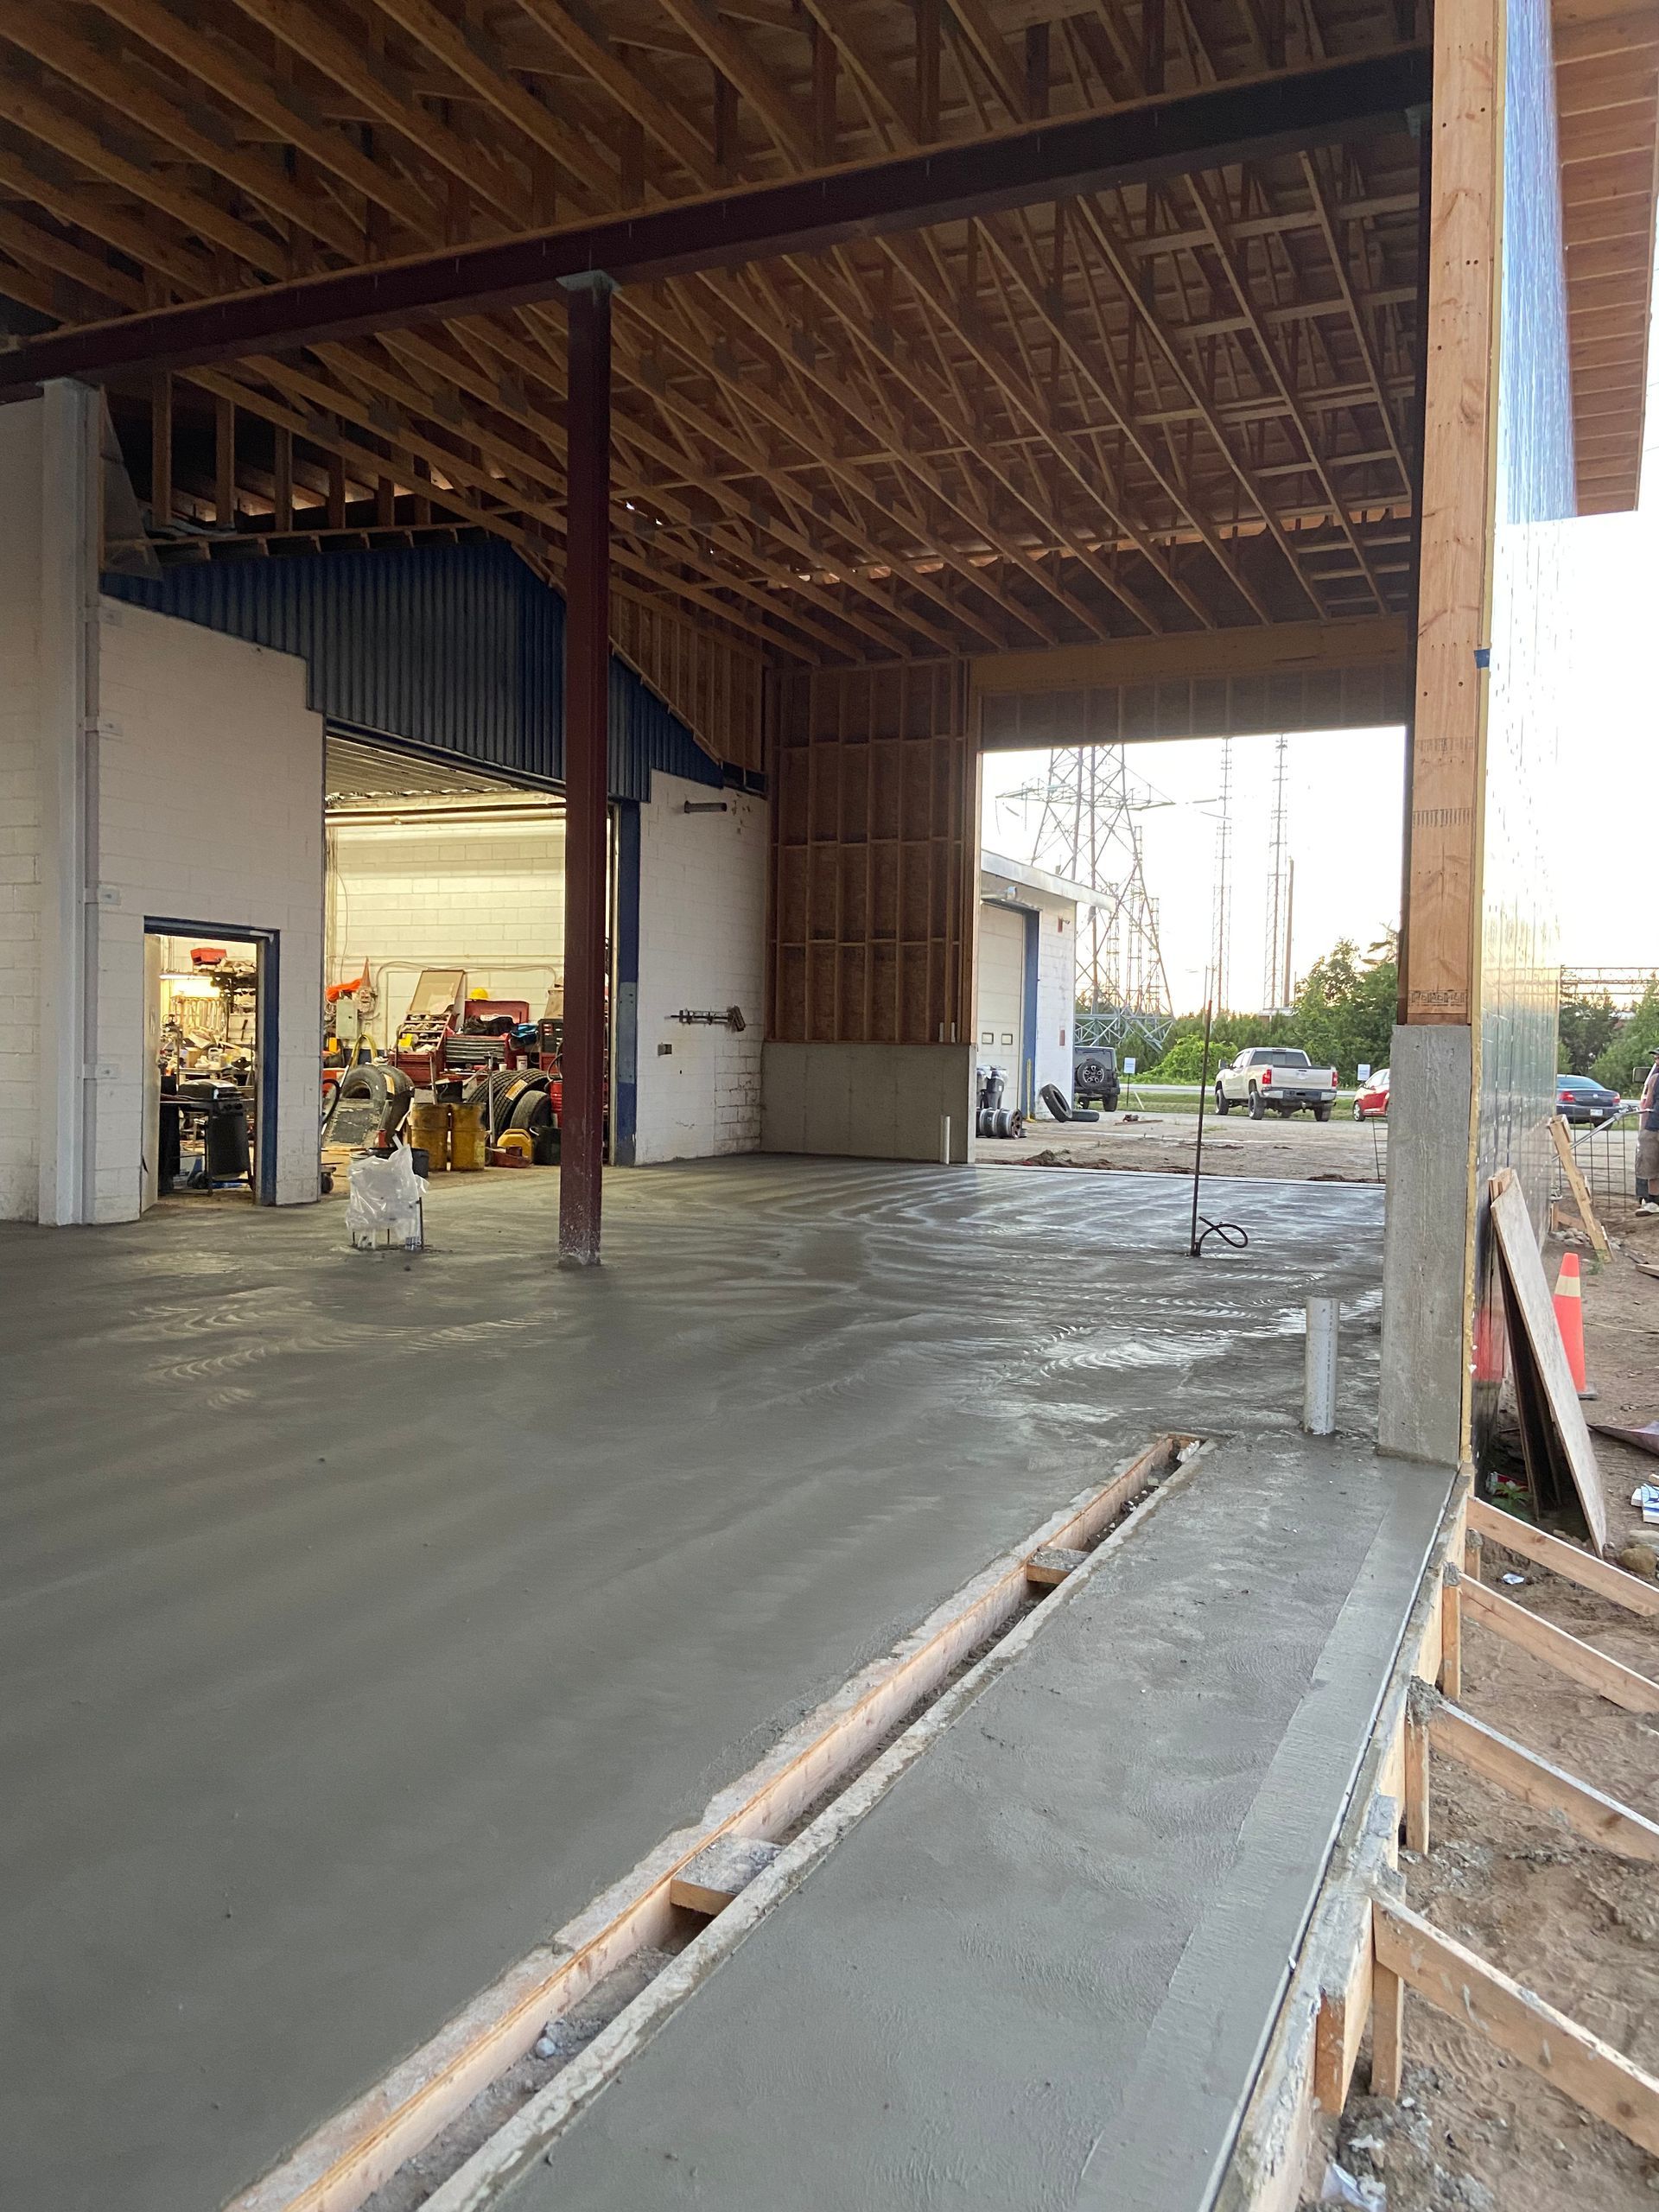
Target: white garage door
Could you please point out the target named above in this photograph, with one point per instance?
(1003, 993)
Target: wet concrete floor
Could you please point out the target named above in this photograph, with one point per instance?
(362, 1619)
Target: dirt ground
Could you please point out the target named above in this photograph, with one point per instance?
(1578, 1925)
(1297, 1149)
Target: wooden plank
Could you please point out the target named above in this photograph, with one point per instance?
(1527, 1303)
(1263, 649)
(1451, 1632)
(1468, 1989)
(1564, 1559)
(1498, 1758)
(1459, 511)
(1569, 1655)
(1576, 1184)
(1388, 2032)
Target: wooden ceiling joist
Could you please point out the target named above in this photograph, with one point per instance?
(1075, 405)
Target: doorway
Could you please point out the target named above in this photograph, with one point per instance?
(209, 1119)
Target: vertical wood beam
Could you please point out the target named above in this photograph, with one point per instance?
(1388, 2032)
(1037, 70)
(282, 479)
(336, 491)
(928, 40)
(587, 747)
(224, 462)
(826, 56)
(161, 448)
(1459, 511)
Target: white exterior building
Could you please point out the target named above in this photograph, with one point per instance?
(1027, 981)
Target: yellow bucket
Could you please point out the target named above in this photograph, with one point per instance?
(428, 1127)
(466, 1138)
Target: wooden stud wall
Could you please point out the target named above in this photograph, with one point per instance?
(874, 857)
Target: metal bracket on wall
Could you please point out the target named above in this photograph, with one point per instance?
(731, 1019)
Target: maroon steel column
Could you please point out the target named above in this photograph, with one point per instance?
(586, 746)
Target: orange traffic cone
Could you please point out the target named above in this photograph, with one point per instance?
(1569, 1318)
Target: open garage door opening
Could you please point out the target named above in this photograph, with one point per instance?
(444, 997)
(1256, 876)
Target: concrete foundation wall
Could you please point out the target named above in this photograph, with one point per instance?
(486, 896)
(210, 811)
(867, 1102)
(1425, 1253)
(702, 919)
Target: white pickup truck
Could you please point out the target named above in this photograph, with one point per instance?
(1276, 1078)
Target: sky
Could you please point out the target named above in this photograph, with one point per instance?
(1343, 794)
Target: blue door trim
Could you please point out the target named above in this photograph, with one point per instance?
(625, 937)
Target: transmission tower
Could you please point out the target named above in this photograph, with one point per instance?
(1089, 832)
(1222, 919)
(1275, 983)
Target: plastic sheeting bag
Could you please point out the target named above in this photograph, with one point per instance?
(382, 1208)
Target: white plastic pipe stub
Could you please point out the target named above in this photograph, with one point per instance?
(1319, 1378)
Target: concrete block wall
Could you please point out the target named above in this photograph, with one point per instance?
(20, 810)
(703, 916)
(209, 812)
(486, 896)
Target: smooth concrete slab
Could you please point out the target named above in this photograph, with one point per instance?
(361, 1619)
(1041, 1972)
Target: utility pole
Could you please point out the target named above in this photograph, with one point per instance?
(1275, 988)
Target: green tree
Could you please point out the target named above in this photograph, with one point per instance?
(1587, 1028)
(1623, 1066)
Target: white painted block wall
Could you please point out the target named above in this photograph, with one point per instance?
(486, 896)
(209, 812)
(20, 810)
(702, 920)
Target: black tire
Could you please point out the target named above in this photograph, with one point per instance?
(382, 1086)
(1223, 1104)
(532, 1112)
(1359, 1116)
(1091, 1078)
(1321, 1113)
(1054, 1099)
(1258, 1107)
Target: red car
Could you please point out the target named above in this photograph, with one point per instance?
(1371, 1100)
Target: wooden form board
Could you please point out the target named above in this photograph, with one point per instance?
(874, 857)
(1561, 1443)
(1466, 1987)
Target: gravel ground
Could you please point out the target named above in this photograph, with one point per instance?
(1296, 1150)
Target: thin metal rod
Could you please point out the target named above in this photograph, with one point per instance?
(1198, 1154)
(587, 744)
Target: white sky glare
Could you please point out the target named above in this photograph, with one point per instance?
(1346, 796)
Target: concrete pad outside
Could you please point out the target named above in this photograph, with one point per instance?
(361, 1619)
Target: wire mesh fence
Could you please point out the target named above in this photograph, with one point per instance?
(1606, 1156)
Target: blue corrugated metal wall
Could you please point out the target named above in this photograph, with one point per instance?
(457, 648)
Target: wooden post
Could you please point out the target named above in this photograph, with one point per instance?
(161, 449)
(1472, 1550)
(586, 746)
(1459, 507)
(1388, 2032)
(224, 461)
(1451, 1635)
(1417, 1779)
